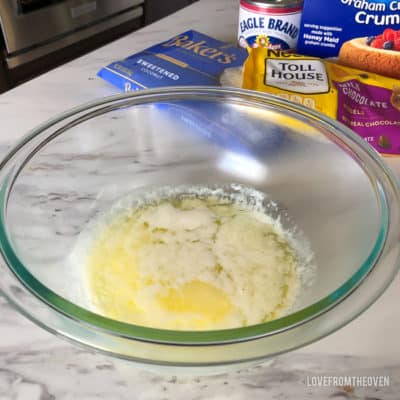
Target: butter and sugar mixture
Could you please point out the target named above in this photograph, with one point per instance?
(191, 263)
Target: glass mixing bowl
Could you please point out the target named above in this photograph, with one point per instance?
(324, 179)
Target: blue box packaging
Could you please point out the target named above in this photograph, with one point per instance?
(190, 58)
(327, 24)
(193, 58)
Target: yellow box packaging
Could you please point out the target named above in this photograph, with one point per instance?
(367, 103)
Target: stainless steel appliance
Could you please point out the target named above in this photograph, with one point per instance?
(33, 29)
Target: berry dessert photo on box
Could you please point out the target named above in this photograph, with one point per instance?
(379, 54)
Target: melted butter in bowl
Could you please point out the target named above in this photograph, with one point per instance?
(190, 261)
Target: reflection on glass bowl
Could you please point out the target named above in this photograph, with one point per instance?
(322, 178)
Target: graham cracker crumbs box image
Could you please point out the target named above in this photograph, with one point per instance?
(327, 24)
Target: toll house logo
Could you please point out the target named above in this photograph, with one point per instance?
(297, 75)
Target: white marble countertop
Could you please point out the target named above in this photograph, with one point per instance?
(36, 365)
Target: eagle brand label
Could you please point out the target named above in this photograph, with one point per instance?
(280, 22)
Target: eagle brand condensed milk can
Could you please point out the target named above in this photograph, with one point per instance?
(279, 20)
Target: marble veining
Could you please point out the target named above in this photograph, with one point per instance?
(35, 365)
(65, 373)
